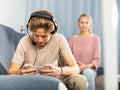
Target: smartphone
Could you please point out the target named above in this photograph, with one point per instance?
(40, 67)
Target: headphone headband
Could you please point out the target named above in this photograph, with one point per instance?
(43, 15)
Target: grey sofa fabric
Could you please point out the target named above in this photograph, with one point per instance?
(99, 81)
(28, 82)
(2, 70)
(100, 71)
(9, 39)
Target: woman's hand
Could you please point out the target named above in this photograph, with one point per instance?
(82, 66)
(26, 70)
(50, 70)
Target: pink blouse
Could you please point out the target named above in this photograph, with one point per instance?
(86, 50)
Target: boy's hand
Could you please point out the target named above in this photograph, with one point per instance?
(26, 70)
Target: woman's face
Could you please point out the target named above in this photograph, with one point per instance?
(84, 24)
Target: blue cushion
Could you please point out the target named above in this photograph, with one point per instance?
(2, 70)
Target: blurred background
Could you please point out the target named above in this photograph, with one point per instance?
(15, 13)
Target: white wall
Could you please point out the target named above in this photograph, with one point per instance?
(110, 21)
(12, 13)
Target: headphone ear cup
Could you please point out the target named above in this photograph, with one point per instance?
(55, 27)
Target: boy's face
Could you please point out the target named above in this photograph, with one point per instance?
(41, 37)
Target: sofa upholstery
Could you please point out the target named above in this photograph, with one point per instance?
(28, 82)
(9, 39)
(99, 81)
(2, 70)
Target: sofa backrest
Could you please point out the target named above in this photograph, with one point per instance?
(9, 39)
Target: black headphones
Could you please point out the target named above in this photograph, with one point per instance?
(42, 15)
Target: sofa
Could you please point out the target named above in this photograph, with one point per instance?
(9, 39)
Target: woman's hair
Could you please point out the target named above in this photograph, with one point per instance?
(90, 19)
(40, 22)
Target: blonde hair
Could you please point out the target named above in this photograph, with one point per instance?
(90, 19)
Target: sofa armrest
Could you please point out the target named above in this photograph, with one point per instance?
(30, 82)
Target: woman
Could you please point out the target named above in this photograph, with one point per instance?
(85, 47)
